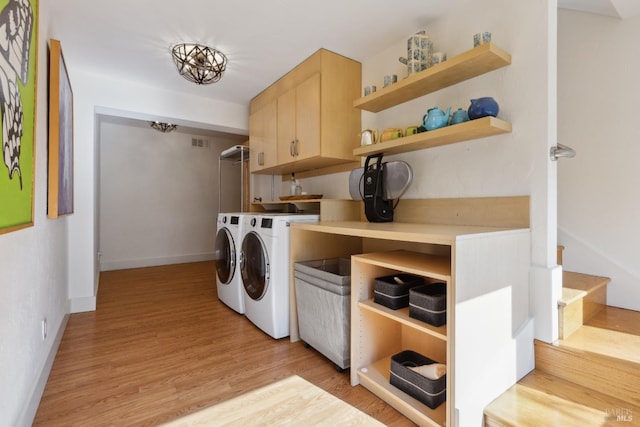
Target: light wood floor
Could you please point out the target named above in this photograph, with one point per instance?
(160, 345)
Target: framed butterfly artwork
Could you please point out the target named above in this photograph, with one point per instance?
(18, 69)
(60, 194)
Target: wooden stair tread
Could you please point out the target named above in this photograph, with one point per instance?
(541, 399)
(613, 332)
(578, 285)
(605, 342)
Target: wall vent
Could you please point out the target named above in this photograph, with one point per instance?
(199, 143)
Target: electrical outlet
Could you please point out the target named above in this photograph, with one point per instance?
(44, 329)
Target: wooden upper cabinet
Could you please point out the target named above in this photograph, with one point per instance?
(299, 121)
(316, 124)
(262, 137)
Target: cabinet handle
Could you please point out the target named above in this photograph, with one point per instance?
(295, 147)
(291, 152)
(261, 158)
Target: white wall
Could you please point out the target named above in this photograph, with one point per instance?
(598, 203)
(51, 269)
(159, 195)
(95, 94)
(33, 280)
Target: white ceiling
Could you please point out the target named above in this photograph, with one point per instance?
(615, 8)
(262, 39)
(131, 39)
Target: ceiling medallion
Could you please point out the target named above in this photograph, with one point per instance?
(162, 126)
(198, 63)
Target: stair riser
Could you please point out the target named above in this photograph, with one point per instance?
(617, 378)
(579, 312)
(490, 421)
(559, 252)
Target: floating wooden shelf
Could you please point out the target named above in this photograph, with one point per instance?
(472, 63)
(473, 129)
(329, 209)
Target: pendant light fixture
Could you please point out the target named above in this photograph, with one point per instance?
(162, 126)
(198, 63)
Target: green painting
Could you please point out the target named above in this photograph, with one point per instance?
(18, 76)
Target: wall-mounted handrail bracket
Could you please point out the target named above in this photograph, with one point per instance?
(561, 151)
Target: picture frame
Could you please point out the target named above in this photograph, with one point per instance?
(18, 77)
(60, 191)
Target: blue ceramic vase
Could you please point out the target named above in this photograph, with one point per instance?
(459, 116)
(483, 107)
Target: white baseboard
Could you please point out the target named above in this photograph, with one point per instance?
(29, 413)
(82, 304)
(150, 262)
(525, 351)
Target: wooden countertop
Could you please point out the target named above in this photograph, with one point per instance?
(408, 232)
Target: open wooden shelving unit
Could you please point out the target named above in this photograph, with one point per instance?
(476, 261)
(472, 63)
(379, 332)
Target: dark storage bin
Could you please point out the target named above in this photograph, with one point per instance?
(388, 292)
(429, 303)
(430, 392)
(323, 289)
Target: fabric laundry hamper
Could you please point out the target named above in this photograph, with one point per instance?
(323, 289)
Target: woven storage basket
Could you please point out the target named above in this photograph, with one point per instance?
(429, 303)
(430, 392)
(388, 292)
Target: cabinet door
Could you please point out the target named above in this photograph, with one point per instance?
(308, 118)
(286, 126)
(262, 137)
(299, 121)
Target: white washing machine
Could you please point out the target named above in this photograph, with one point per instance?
(227, 250)
(264, 267)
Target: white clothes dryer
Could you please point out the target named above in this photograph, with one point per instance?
(264, 267)
(227, 250)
